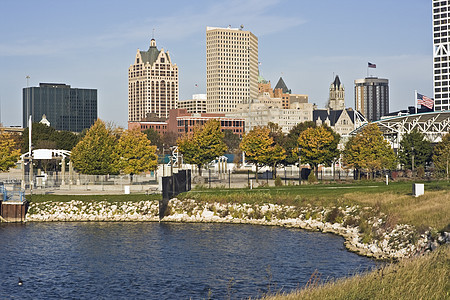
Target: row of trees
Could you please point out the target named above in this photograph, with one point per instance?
(315, 145)
(104, 149)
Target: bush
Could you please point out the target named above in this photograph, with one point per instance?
(334, 216)
(420, 172)
(278, 181)
(312, 178)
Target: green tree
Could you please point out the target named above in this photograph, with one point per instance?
(95, 153)
(231, 140)
(260, 148)
(9, 151)
(202, 145)
(368, 150)
(47, 137)
(135, 153)
(441, 155)
(415, 145)
(318, 146)
(155, 138)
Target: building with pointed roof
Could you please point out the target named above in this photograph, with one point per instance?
(281, 91)
(336, 100)
(341, 121)
(152, 84)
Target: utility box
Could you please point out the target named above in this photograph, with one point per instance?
(127, 190)
(418, 189)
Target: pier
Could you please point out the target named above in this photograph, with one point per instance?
(13, 205)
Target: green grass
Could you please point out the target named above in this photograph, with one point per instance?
(93, 198)
(425, 277)
(394, 200)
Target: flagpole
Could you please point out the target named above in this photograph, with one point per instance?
(415, 100)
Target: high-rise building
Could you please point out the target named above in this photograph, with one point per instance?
(372, 97)
(152, 84)
(336, 100)
(66, 108)
(441, 54)
(231, 68)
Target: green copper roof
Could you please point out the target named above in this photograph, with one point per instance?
(152, 54)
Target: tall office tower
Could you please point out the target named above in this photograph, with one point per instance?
(441, 54)
(66, 108)
(231, 68)
(152, 84)
(372, 97)
(336, 100)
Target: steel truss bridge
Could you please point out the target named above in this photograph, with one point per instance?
(434, 125)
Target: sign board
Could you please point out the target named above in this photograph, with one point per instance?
(42, 154)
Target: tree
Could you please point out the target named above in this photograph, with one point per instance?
(441, 155)
(369, 150)
(47, 137)
(135, 153)
(291, 142)
(318, 146)
(155, 138)
(415, 145)
(260, 148)
(231, 140)
(9, 151)
(95, 153)
(202, 145)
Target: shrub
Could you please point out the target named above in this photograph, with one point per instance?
(420, 172)
(312, 178)
(334, 216)
(278, 181)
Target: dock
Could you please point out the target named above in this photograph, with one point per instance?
(13, 205)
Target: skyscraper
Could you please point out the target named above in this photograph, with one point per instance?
(231, 68)
(66, 108)
(152, 84)
(372, 97)
(441, 54)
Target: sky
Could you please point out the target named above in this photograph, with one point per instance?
(91, 44)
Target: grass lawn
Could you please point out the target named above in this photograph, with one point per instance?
(93, 198)
(395, 199)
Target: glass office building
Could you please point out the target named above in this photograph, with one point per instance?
(66, 108)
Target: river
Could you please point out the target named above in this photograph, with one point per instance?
(144, 260)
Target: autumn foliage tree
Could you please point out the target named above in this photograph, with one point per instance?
(9, 151)
(95, 153)
(369, 151)
(260, 148)
(318, 146)
(135, 153)
(203, 145)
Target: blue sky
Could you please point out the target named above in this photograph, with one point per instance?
(90, 44)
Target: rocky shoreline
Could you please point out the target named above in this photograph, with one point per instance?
(374, 237)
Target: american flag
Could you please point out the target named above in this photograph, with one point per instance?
(371, 65)
(425, 101)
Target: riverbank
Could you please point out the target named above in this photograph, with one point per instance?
(425, 277)
(366, 230)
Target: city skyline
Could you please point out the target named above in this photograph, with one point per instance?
(305, 43)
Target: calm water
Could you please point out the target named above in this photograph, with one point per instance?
(164, 261)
